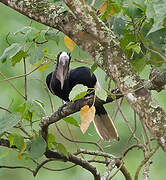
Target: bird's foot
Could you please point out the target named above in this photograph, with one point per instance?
(61, 109)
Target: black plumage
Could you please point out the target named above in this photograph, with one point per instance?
(80, 75)
(61, 81)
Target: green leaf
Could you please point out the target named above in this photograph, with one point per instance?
(131, 10)
(11, 138)
(61, 148)
(36, 148)
(40, 102)
(31, 34)
(7, 122)
(140, 4)
(16, 38)
(21, 108)
(4, 152)
(51, 140)
(93, 68)
(18, 57)
(71, 120)
(102, 94)
(10, 52)
(27, 115)
(78, 92)
(41, 68)
(155, 59)
(52, 34)
(79, 96)
(31, 108)
(139, 64)
(135, 47)
(18, 141)
(35, 54)
(118, 25)
(36, 108)
(156, 11)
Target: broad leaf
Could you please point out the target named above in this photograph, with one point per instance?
(102, 94)
(71, 120)
(70, 44)
(79, 96)
(87, 115)
(35, 54)
(134, 46)
(36, 108)
(93, 68)
(139, 64)
(31, 34)
(36, 148)
(18, 57)
(4, 152)
(18, 141)
(7, 122)
(10, 52)
(51, 140)
(52, 34)
(78, 92)
(42, 67)
(156, 11)
(61, 148)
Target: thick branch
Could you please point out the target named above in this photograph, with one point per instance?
(93, 36)
(71, 108)
(109, 56)
(158, 80)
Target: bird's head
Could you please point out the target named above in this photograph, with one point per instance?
(63, 61)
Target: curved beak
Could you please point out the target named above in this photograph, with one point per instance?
(63, 68)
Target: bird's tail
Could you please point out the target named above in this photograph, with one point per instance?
(104, 125)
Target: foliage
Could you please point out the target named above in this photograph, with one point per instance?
(138, 24)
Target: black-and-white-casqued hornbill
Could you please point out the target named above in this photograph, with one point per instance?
(61, 81)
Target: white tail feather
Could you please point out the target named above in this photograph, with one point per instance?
(105, 127)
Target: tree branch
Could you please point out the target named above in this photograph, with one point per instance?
(93, 36)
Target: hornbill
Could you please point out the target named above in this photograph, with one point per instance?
(61, 81)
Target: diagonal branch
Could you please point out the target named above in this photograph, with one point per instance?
(93, 36)
(70, 108)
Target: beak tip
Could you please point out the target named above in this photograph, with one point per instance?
(62, 85)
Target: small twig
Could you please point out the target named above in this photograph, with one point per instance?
(146, 134)
(146, 170)
(23, 75)
(24, 131)
(25, 79)
(145, 161)
(7, 39)
(41, 164)
(97, 161)
(121, 164)
(140, 146)
(110, 167)
(73, 138)
(12, 85)
(83, 142)
(123, 169)
(117, 109)
(50, 99)
(127, 122)
(17, 167)
(92, 3)
(43, 42)
(94, 153)
(82, 61)
(51, 169)
(5, 109)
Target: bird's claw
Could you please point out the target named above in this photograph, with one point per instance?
(60, 110)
